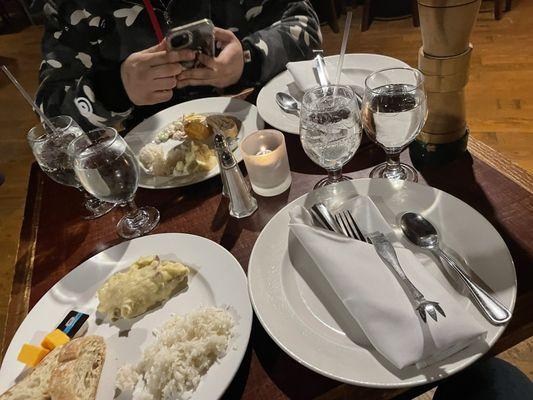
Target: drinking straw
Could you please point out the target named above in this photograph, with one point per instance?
(29, 99)
(344, 44)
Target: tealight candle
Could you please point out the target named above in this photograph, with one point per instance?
(265, 157)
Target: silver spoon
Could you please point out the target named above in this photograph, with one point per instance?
(422, 233)
(287, 103)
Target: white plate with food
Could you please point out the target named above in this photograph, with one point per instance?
(175, 146)
(304, 326)
(356, 68)
(194, 294)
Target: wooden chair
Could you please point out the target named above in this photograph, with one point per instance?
(498, 8)
(328, 10)
(4, 15)
(22, 3)
(367, 18)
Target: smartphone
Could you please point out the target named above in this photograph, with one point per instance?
(196, 36)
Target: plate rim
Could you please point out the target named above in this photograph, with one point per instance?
(247, 328)
(377, 385)
(207, 176)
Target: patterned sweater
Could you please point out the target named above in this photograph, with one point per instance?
(85, 42)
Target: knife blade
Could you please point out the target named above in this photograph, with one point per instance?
(321, 70)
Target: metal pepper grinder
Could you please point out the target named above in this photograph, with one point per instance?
(220, 146)
(241, 202)
(444, 59)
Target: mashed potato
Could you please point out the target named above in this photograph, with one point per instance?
(187, 158)
(153, 160)
(185, 348)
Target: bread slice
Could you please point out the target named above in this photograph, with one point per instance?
(228, 124)
(78, 369)
(35, 385)
(196, 128)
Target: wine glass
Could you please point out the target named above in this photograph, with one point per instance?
(50, 151)
(330, 131)
(394, 111)
(108, 169)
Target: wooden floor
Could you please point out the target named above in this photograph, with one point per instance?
(499, 108)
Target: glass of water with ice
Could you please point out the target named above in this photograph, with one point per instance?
(393, 113)
(50, 151)
(330, 129)
(108, 169)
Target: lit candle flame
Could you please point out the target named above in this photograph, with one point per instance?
(263, 150)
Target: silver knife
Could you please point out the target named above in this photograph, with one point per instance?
(321, 70)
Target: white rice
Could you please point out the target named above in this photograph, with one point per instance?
(185, 348)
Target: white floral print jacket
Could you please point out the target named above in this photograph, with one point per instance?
(85, 41)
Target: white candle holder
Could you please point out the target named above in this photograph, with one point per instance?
(265, 156)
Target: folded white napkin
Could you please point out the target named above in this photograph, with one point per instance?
(305, 76)
(374, 297)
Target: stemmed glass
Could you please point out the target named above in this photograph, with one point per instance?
(330, 131)
(393, 113)
(50, 151)
(108, 169)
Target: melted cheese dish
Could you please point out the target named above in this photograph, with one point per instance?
(145, 283)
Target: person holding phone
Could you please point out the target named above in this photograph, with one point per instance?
(108, 62)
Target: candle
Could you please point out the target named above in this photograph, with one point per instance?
(265, 157)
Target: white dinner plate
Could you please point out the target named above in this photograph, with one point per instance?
(146, 131)
(356, 67)
(299, 322)
(216, 279)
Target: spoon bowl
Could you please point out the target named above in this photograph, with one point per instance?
(419, 230)
(287, 103)
(422, 233)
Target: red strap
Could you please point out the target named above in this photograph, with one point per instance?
(153, 20)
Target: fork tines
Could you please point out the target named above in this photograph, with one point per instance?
(349, 226)
(430, 307)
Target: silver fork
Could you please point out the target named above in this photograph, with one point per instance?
(387, 253)
(349, 226)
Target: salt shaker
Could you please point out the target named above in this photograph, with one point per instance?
(220, 146)
(241, 202)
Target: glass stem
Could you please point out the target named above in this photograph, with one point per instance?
(393, 163)
(131, 210)
(133, 213)
(335, 175)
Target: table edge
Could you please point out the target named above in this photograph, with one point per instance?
(18, 304)
(500, 163)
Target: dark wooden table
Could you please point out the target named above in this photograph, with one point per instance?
(54, 240)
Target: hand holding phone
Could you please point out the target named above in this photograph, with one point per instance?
(197, 36)
(221, 71)
(149, 76)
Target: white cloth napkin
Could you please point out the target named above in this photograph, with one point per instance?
(305, 76)
(374, 297)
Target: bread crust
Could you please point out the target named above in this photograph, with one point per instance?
(59, 372)
(78, 370)
(228, 124)
(41, 372)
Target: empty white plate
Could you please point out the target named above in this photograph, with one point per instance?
(298, 320)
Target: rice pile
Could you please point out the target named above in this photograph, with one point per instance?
(185, 348)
